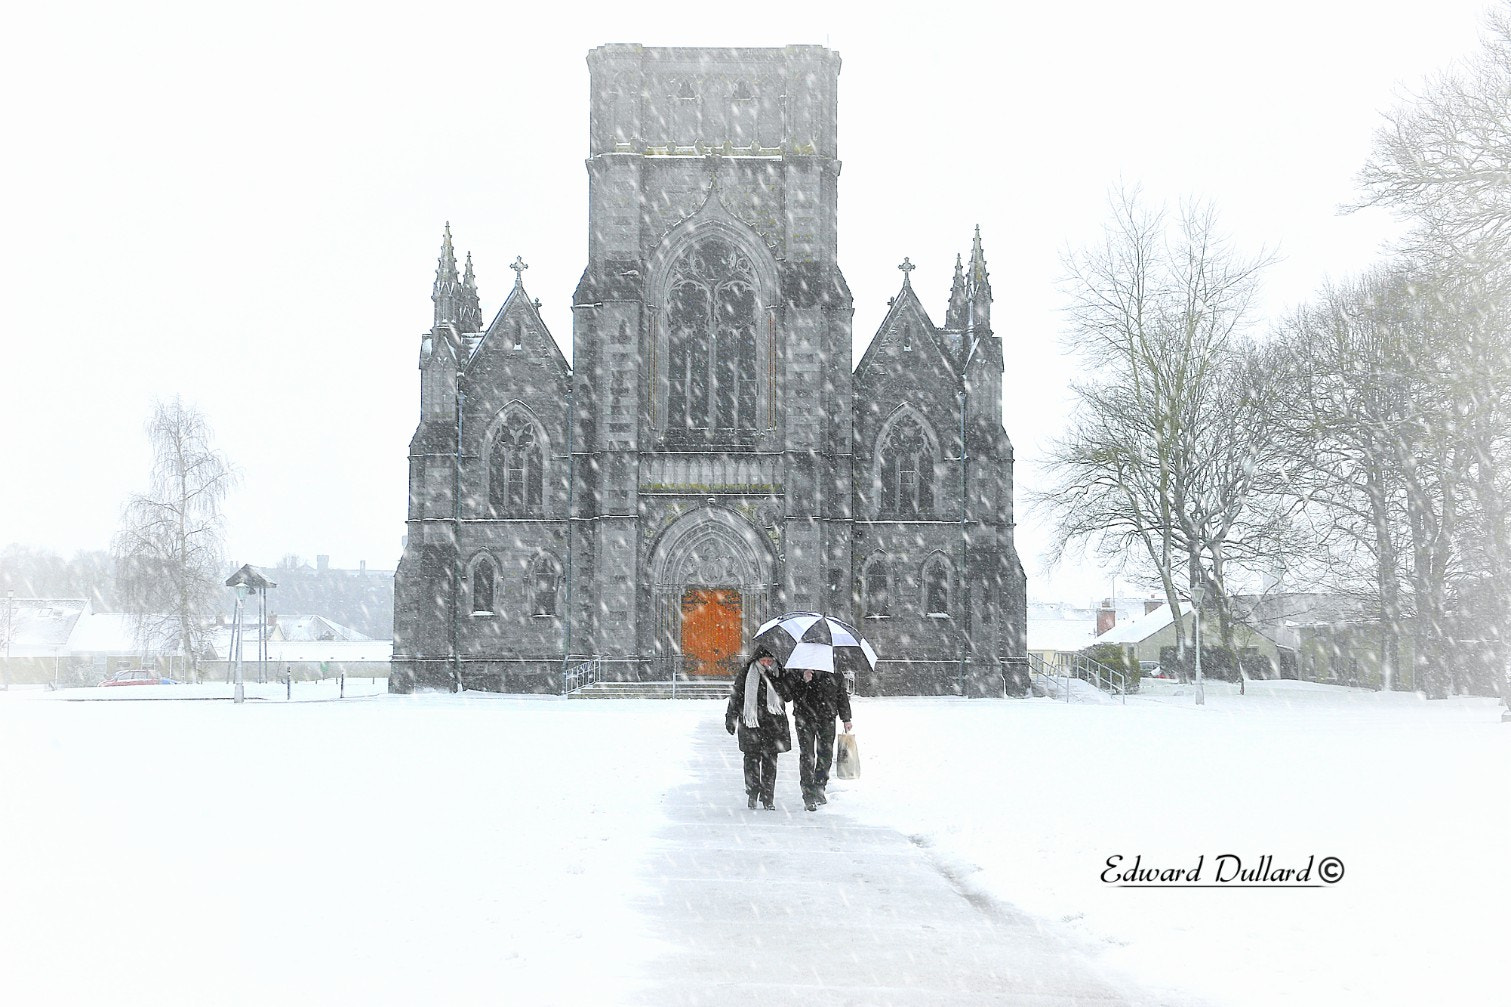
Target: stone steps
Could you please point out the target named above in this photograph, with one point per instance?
(654, 690)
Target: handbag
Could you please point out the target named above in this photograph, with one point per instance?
(846, 757)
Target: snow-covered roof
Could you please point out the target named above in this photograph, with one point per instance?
(299, 639)
(1063, 635)
(1140, 629)
(41, 626)
(1060, 610)
(109, 633)
(313, 627)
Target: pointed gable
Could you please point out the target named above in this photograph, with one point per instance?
(518, 331)
(906, 329)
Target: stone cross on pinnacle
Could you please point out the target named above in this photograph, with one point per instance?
(519, 266)
(907, 268)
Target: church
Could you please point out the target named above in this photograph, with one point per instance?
(709, 458)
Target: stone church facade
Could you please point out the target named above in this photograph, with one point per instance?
(709, 459)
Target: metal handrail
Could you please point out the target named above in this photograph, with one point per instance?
(1096, 673)
(580, 676)
(1060, 673)
(1042, 669)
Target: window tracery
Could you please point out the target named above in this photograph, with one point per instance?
(711, 322)
(516, 469)
(907, 471)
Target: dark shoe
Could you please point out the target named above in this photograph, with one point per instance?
(751, 803)
(811, 806)
(768, 805)
(821, 798)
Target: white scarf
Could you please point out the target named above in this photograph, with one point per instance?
(753, 678)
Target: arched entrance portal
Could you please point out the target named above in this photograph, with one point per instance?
(711, 578)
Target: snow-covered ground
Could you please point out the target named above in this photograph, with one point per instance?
(444, 849)
(1031, 798)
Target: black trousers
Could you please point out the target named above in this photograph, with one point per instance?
(815, 749)
(760, 775)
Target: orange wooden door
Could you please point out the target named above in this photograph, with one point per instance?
(710, 630)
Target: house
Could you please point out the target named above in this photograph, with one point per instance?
(1310, 636)
(306, 647)
(1059, 629)
(1315, 637)
(64, 642)
(35, 632)
(1144, 637)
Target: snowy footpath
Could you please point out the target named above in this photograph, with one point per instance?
(481, 849)
(784, 907)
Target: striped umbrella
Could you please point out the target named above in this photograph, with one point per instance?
(812, 640)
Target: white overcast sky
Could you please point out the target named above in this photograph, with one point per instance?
(242, 204)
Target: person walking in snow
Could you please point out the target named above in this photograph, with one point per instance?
(757, 714)
(817, 698)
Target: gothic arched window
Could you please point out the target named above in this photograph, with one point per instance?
(516, 469)
(711, 349)
(876, 588)
(936, 586)
(907, 471)
(545, 577)
(482, 586)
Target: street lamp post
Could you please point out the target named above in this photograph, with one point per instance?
(239, 694)
(243, 581)
(1198, 591)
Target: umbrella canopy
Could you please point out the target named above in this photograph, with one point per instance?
(812, 640)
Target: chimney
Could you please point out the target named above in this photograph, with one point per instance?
(322, 563)
(1107, 616)
(1151, 604)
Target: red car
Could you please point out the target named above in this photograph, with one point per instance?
(137, 676)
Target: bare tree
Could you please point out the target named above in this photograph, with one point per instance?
(1344, 392)
(1236, 511)
(168, 549)
(1444, 159)
(1399, 407)
(1155, 310)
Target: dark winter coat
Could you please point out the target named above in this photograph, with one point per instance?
(820, 700)
(773, 732)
